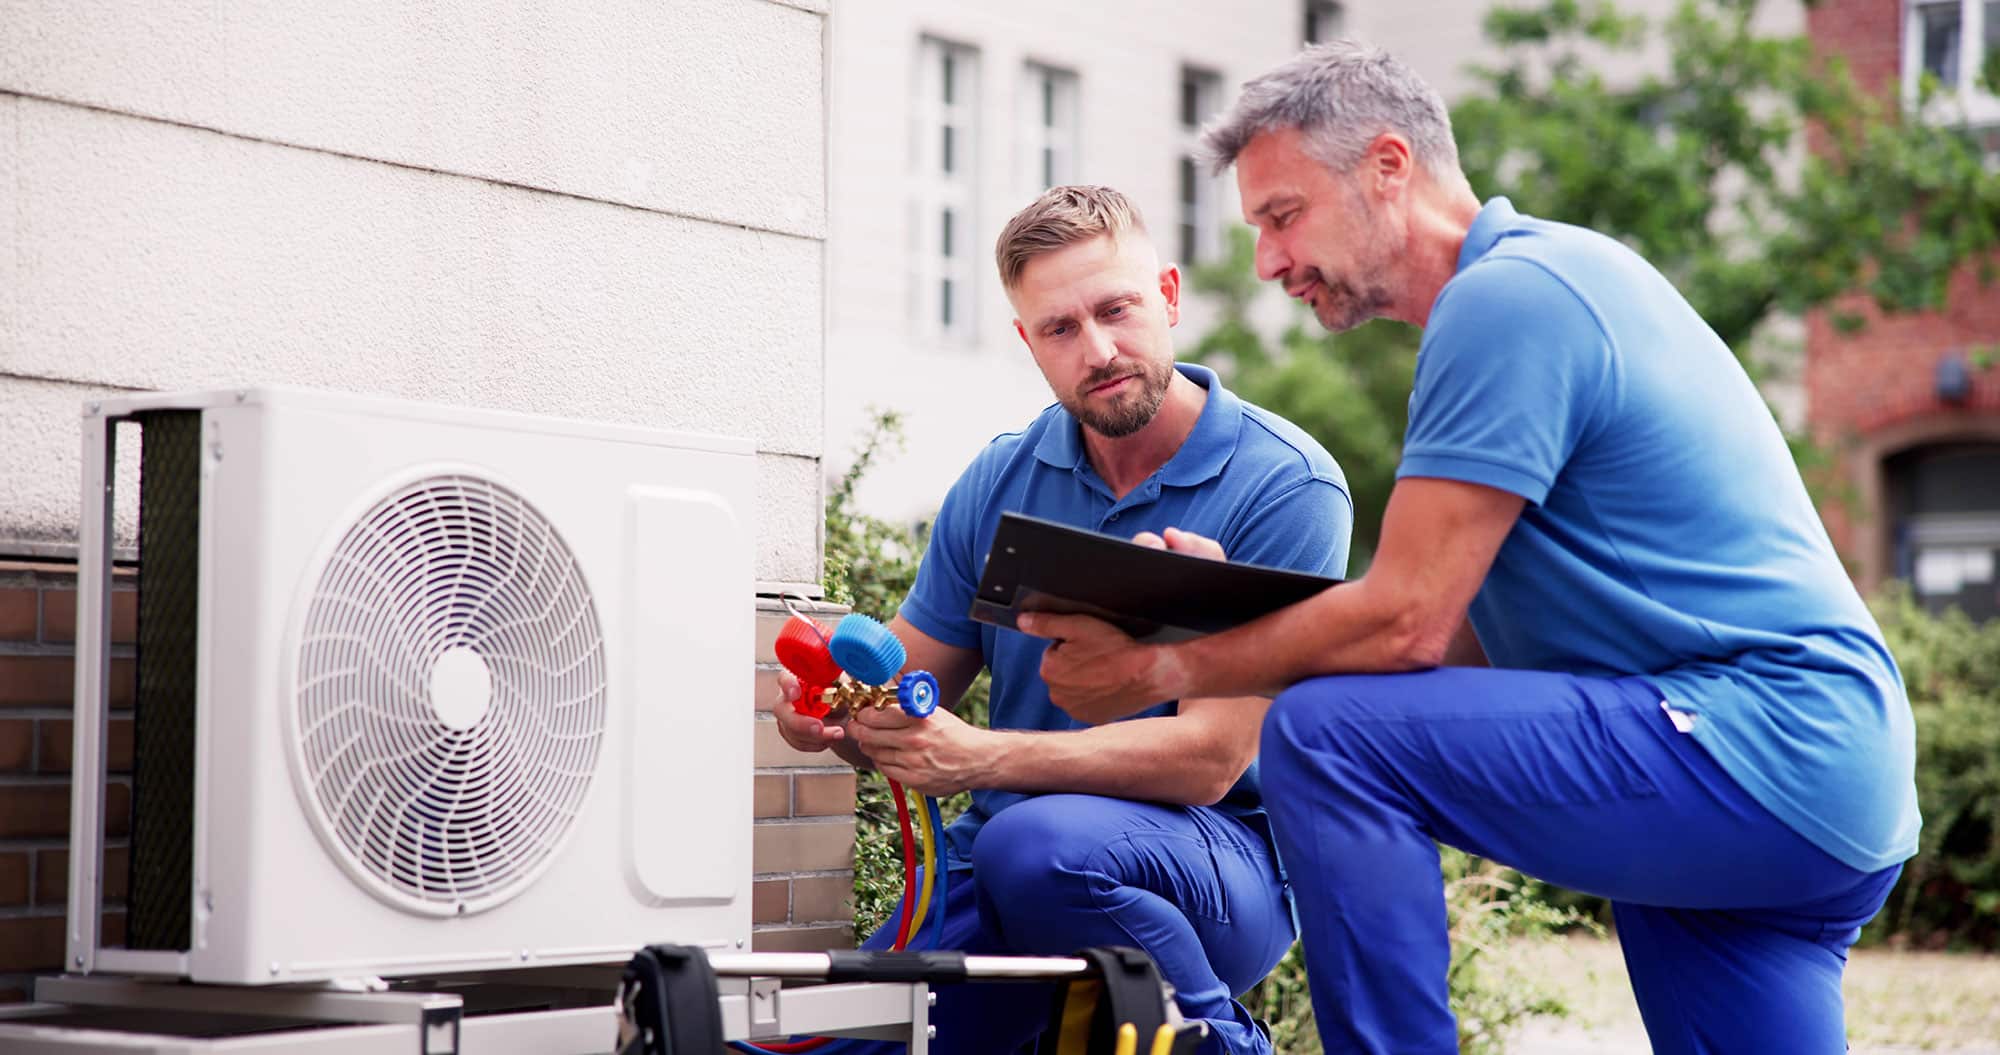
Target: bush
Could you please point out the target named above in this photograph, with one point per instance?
(1949, 894)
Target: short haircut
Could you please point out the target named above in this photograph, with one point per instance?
(1340, 95)
(1060, 218)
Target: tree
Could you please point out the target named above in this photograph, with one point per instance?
(1699, 170)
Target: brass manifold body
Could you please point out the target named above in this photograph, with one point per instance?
(849, 696)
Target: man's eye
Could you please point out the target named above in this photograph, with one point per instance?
(1058, 331)
(1115, 312)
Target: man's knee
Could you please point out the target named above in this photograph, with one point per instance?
(1305, 720)
(1030, 842)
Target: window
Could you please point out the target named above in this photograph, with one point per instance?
(1050, 136)
(1951, 42)
(946, 137)
(1945, 525)
(1325, 20)
(1195, 217)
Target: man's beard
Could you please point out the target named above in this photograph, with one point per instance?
(1131, 410)
(1341, 307)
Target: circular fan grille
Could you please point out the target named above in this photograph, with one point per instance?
(451, 694)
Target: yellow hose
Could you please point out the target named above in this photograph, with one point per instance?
(930, 867)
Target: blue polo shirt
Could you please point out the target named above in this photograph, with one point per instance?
(1667, 533)
(1245, 477)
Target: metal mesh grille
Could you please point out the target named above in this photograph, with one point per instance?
(163, 733)
(449, 810)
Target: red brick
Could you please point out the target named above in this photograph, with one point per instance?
(35, 811)
(58, 736)
(36, 681)
(17, 745)
(771, 901)
(31, 943)
(766, 692)
(796, 939)
(823, 794)
(52, 876)
(819, 899)
(59, 616)
(17, 613)
(773, 795)
(14, 878)
(802, 847)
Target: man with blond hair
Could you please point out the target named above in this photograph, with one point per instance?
(1692, 713)
(1148, 832)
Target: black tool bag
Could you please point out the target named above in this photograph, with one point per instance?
(667, 1004)
(1127, 988)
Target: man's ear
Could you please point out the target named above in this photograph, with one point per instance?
(1388, 164)
(1023, 331)
(1170, 291)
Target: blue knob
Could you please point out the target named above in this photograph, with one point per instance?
(867, 650)
(918, 693)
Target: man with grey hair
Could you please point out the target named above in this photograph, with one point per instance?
(1692, 713)
(1149, 832)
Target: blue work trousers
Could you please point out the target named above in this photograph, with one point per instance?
(1195, 888)
(1734, 928)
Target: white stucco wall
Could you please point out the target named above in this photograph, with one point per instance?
(612, 211)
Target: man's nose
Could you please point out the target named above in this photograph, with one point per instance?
(1272, 262)
(1099, 347)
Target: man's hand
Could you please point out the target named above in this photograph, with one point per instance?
(1098, 674)
(1094, 671)
(1182, 542)
(939, 755)
(804, 733)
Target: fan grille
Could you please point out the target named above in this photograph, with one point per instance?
(446, 789)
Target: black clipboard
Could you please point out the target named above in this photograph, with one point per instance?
(1039, 565)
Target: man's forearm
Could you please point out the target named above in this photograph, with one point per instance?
(1353, 628)
(1171, 760)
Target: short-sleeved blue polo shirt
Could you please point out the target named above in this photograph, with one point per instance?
(1245, 477)
(1666, 532)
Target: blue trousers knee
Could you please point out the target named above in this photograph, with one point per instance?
(1734, 928)
(1195, 888)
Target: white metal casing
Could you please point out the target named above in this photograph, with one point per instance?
(659, 524)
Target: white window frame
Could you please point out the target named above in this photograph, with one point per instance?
(944, 204)
(1964, 99)
(1051, 135)
(1195, 190)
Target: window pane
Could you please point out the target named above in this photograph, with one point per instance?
(1190, 100)
(1187, 243)
(1992, 29)
(1941, 32)
(1187, 182)
(1323, 21)
(1048, 100)
(950, 74)
(944, 314)
(950, 141)
(1048, 167)
(945, 227)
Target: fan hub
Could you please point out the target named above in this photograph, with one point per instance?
(461, 688)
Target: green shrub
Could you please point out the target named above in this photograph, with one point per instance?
(1949, 894)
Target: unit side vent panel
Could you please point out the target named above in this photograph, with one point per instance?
(450, 700)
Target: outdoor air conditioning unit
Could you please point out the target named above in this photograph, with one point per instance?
(419, 689)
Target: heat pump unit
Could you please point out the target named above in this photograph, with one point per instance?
(419, 689)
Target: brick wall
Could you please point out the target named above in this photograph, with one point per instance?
(804, 832)
(1872, 393)
(37, 628)
(804, 850)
